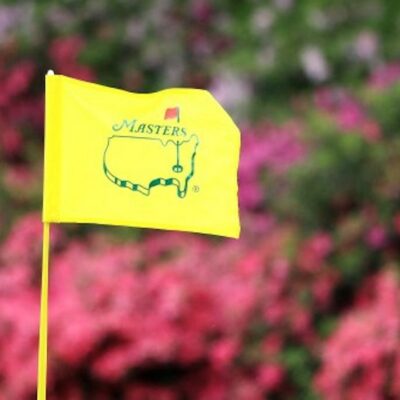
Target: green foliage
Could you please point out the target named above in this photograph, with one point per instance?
(300, 366)
(336, 176)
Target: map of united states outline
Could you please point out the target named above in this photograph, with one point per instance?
(173, 178)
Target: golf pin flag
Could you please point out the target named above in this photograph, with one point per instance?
(164, 160)
(172, 113)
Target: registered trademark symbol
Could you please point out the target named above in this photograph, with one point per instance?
(196, 189)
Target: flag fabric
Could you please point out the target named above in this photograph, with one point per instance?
(111, 157)
(172, 113)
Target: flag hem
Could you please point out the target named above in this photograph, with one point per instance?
(234, 229)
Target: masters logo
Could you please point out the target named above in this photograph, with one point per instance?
(171, 152)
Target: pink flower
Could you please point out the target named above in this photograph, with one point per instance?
(322, 289)
(270, 376)
(247, 388)
(396, 223)
(267, 148)
(223, 353)
(376, 237)
(371, 130)
(354, 358)
(19, 78)
(314, 251)
(10, 141)
(66, 49)
(385, 76)
(24, 242)
(20, 179)
(64, 53)
(113, 364)
(272, 344)
(202, 10)
(348, 113)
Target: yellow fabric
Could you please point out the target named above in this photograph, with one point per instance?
(165, 160)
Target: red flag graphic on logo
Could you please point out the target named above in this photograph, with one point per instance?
(171, 113)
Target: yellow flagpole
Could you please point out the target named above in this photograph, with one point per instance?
(44, 309)
(42, 356)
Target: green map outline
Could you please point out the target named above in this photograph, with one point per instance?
(146, 190)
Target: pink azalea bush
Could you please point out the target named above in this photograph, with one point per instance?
(348, 113)
(121, 314)
(267, 147)
(159, 318)
(361, 359)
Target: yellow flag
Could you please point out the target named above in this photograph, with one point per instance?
(165, 160)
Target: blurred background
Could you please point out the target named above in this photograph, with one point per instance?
(306, 304)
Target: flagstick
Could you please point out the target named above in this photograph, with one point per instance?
(44, 307)
(42, 361)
